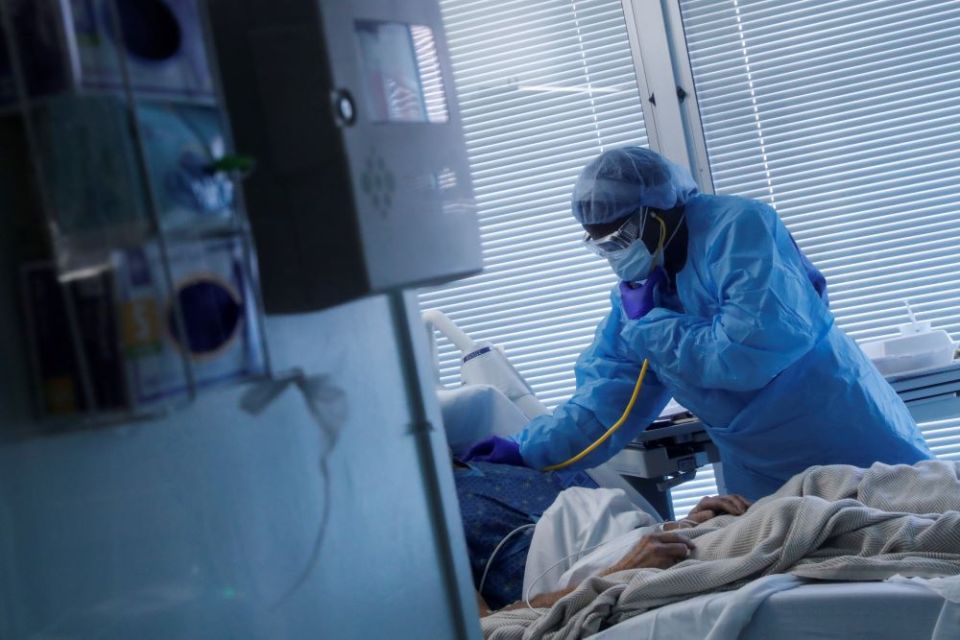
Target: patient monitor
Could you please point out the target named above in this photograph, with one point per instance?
(360, 182)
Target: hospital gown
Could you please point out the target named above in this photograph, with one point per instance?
(747, 344)
(494, 500)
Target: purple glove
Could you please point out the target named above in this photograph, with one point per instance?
(638, 301)
(496, 449)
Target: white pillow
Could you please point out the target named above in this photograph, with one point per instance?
(477, 411)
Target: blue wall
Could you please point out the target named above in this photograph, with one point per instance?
(196, 524)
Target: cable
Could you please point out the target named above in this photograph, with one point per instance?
(317, 540)
(496, 550)
(526, 595)
(327, 407)
(661, 246)
(619, 423)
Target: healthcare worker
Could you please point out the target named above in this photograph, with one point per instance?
(734, 322)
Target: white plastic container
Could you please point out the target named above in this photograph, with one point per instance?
(917, 348)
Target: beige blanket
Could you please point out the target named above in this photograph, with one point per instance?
(833, 522)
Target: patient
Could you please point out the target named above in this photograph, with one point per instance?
(834, 522)
(496, 500)
(588, 558)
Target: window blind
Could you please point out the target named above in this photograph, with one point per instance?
(543, 86)
(844, 116)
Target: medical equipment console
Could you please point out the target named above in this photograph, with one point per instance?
(360, 183)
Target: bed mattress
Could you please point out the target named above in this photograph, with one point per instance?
(840, 610)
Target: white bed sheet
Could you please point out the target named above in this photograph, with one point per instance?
(819, 611)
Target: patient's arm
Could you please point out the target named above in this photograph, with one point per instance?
(541, 601)
(656, 551)
(482, 605)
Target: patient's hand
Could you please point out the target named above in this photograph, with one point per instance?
(712, 506)
(655, 551)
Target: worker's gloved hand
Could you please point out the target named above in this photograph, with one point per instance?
(496, 449)
(638, 300)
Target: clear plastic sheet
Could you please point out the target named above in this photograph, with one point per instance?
(143, 290)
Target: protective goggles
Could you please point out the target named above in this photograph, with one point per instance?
(613, 243)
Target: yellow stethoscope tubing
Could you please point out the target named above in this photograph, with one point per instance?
(636, 388)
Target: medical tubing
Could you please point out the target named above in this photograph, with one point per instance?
(636, 388)
(496, 550)
(439, 321)
(619, 423)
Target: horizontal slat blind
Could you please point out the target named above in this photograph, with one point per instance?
(845, 116)
(689, 493)
(543, 87)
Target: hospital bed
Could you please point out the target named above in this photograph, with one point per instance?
(825, 611)
(669, 454)
(758, 610)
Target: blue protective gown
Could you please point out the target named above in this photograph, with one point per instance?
(749, 346)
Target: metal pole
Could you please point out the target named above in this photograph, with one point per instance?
(421, 428)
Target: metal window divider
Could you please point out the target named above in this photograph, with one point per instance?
(662, 63)
(240, 220)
